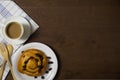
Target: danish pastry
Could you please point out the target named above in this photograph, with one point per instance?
(32, 62)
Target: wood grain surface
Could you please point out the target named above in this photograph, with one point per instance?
(85, 34)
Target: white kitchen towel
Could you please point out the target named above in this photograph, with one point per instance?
(9, 8)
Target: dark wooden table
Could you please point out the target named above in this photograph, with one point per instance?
(85, 34)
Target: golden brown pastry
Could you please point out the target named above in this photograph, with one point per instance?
(32, 62)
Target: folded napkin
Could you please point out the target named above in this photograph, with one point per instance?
(9, 8)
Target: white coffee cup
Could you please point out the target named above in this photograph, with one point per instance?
(17, 30)
(14, 30)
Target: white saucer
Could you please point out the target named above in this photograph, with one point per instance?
(48, 52)
(19, 20)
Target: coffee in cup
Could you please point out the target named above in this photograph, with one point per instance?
(14, 30)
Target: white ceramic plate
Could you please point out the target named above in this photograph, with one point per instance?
(48, 52)
(21, 20)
